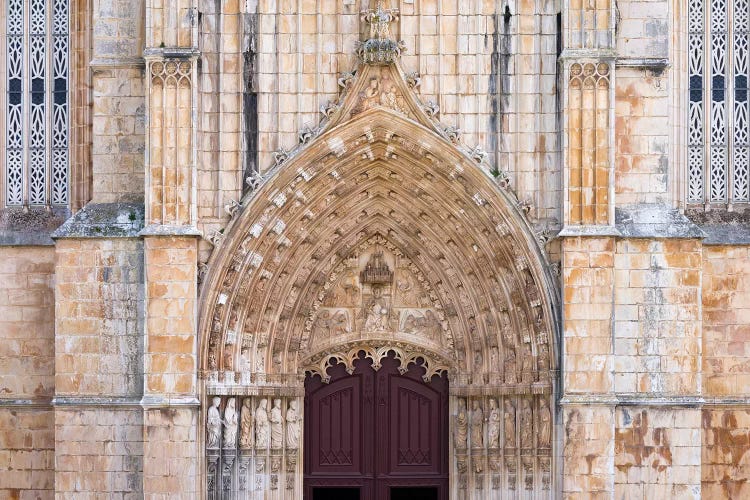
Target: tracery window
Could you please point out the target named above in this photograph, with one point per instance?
(36, 102)
(718, 127)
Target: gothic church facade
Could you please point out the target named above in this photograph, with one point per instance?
(466, 249)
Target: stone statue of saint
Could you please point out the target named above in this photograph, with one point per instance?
(277, 425)
(246, 425)
(477, 425)
(527, 424)
(262, 428)
(292, 426)
(493, 428)
(462, 424)
(510, 424)
(213, 424)
(230, 424)
(432, 325)
(545, 424)
(245, 366)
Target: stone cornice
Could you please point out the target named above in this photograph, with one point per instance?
(652, 63)
(588, 54)
(169, 230)
(106, 63)
(154, 401)
(103, 220)
(170, 53)
(588, 231)
(639, 400)
(31, 404)
(97, 401)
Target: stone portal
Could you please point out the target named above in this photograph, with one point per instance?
(380, 233)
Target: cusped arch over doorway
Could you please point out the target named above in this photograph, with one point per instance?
(380, 231)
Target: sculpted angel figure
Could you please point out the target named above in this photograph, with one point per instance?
(493, 428)
(322, 326)
(350, 286)
(292, 425)
(277, 423)
(368, 98)
(246, 425)
(462, 425)
(213, 424)
(262, 428)
(340, 324)
(477, 425)
(230, 424)
(404, 289)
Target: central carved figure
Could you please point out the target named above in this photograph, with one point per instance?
(377, 292)
(377, 315)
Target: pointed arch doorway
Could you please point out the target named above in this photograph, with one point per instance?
(382, 230)
(376, 433)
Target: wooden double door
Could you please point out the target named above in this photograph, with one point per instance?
(376, 435)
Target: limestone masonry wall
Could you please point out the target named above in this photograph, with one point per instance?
(27, 369)
(98, 422)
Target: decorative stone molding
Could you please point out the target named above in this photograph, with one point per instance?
(170, 72)
(170, 155)
(347, 353)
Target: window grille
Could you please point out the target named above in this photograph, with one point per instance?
(718, 135)
(37, 107)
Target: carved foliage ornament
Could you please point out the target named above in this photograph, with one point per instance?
(379, 48)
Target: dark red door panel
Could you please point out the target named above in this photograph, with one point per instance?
(335, 436)
(377, 430)
(336, 417)
(414, 430)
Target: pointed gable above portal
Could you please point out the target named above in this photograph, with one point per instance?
(380, 83)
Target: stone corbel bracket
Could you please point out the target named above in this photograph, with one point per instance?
(348, 353)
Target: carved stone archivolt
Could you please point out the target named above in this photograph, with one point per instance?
(468, 279)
